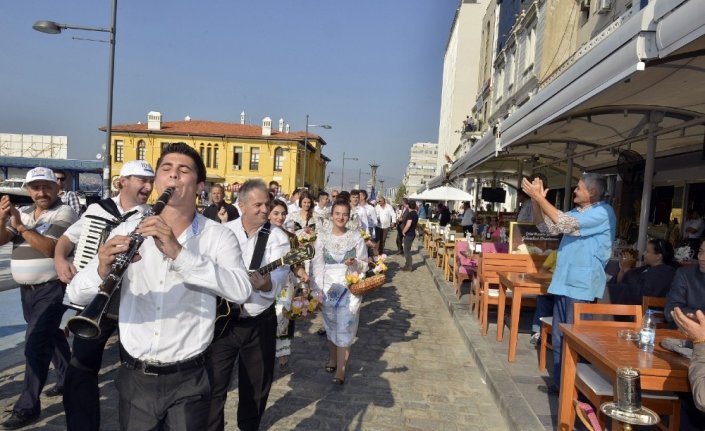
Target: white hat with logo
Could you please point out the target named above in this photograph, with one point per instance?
(39, 174)
(137, 167)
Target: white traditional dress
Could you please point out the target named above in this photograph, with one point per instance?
(341, 309)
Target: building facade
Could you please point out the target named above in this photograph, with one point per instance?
(422, 166)
(232, 152)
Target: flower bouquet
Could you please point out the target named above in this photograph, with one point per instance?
(683, 254)
(304, 304)
(305, 237)
(365, 235)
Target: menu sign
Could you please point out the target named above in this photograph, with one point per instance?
(526, 238)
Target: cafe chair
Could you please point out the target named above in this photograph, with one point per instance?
(596, 387)
(587, 416)
(546, 326)
(657, 304)
(449, 259)
(491, 264)
(465, 269)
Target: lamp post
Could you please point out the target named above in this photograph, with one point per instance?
(51, 27)
(324, 126)
(342, 173)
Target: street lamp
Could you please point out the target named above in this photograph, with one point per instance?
(51, 27)
(342, 173)
(324, 126)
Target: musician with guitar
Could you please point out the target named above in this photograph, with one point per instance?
(250, 333)
(80, 390)
(168, 298)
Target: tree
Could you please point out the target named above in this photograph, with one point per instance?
(401, 193)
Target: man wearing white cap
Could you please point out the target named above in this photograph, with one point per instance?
(80, 389)
(34, 231)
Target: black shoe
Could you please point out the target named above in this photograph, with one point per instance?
(18, 420)
(321, 331)
(549, 389)
(54, 391)
(337, 381)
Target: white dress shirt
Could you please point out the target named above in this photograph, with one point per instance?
(277, 247)
(387, 216)
(371, 216)
(167, 307)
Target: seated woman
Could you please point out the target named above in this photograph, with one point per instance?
(651, 279)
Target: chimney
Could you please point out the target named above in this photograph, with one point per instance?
(267, 126)
(281, 124)
(187, 118)
(154, 120)
(287, 128)
(242, 117)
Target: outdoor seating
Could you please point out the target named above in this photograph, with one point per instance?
(491, 264)
(546, 325)
(465, 269)
(595, 386)
(448, 258)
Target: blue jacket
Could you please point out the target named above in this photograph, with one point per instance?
(582, 255)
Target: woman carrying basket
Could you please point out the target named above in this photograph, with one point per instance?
(338, 252)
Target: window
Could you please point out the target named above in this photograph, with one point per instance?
(279, 159)
(216, 161)
(141, 150)
(202, 152)
(510, 73)
(209, 155)
(119, 151)
(237, 158)
(254, 159)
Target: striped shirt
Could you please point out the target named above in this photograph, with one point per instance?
(29, 266)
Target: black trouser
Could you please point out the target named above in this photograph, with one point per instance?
(42, 308)
(253, 342)
(382, 238)
(81, 393)
(400, 239)
(408, 241)
(178, 401)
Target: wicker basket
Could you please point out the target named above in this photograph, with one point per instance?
(367, 284)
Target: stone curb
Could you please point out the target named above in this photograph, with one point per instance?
(514, 407)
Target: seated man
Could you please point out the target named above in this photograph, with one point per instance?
(688, 288)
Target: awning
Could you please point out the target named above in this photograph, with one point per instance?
(443, 193)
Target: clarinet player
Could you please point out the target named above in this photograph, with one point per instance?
(168, 300)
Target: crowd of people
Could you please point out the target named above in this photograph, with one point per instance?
(200, 300)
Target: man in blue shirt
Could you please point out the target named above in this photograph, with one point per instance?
(588, 233)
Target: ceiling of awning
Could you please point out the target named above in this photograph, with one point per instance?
(671, 89)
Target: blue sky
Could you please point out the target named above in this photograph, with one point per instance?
(370, 68)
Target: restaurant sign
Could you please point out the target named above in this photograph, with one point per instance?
(525, 238)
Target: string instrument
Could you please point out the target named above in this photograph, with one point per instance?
(227, 310)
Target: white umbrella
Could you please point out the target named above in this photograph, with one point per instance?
(443, 193)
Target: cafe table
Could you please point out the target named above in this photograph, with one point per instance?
(520, 284)
(661, 370)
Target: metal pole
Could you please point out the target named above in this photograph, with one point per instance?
(648, 182)
(342, 175)
(109, 128)
(570, 151)
(305, 151)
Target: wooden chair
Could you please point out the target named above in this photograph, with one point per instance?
(448, 258)
(546, 325)
(491, 264)
(596, 387)
(463, 269)
(657, 304)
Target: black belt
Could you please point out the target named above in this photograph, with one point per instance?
(161, 368)
(36, 286)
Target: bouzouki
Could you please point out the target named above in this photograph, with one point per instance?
(227, 310)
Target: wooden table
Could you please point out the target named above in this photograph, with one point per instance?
(520, 284)
(661, 370)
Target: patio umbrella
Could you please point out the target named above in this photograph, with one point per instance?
(443, 193)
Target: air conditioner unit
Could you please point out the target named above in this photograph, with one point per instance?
(585, 5)
(604, 6)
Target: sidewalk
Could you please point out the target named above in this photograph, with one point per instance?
(409, 370)
(515, 385)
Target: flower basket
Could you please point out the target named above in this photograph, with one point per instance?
(367, 285)
(304, 305)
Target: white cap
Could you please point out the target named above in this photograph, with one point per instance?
(39, 174)
(137, 167)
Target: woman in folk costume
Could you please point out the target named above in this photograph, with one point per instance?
(338, 252)
(303, 218)
(285, 327)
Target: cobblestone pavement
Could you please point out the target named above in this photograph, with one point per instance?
(409, 370)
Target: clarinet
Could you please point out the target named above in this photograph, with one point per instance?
(87, 324)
